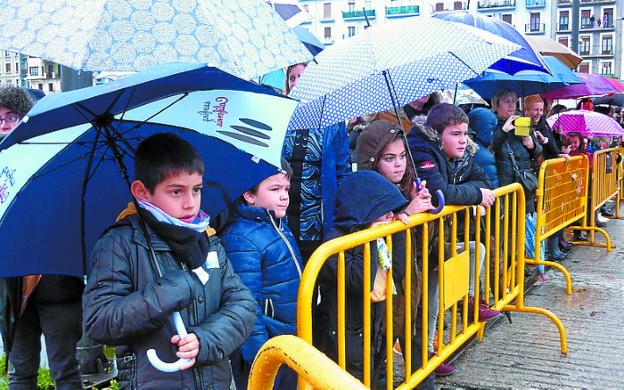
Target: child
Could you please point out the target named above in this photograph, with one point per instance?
(264, 254)
(365, 199)
(128, 305)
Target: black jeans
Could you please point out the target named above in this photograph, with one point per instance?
(61, 325)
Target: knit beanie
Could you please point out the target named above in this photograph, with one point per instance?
(372, 141)
(483, 122)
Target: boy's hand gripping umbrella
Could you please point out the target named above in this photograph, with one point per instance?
(174, 366)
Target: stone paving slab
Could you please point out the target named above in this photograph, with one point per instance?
(526, 354)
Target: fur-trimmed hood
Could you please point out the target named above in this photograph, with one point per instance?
(420, 126)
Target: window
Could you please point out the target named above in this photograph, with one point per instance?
(351, 6)
(583, 67)
(507, 18)
(606, 68)
(327, 11)
(565, 41)
(586, 19)
(33, 71)
(458, 6)
(607, 44)
(306, 7)
(584, 45)
(40, 86)
(327, 33)
(535, 21)
(350, 31)
(51, 87)
(50, 70)
(564, 20)
(607, 18)
(439, 7)
(17, 67)
(7, 67)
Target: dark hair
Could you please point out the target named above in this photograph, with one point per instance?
(556, 109)
(288, 70)
(434, 98)
(164, 154)
(443, 115)
(407, 182)
(16, 99)
(582, 147)
(286, 170)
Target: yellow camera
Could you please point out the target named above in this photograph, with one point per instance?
(522, 125)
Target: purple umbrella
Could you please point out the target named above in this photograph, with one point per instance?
(594, 85)
(587, 123)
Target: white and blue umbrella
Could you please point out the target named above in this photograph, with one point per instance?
(62, 169)
(391, 65)
(246, 38)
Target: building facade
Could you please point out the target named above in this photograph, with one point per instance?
(12, 69)
(597, 25)
(43, 75)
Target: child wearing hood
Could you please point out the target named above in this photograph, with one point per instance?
(365, 199)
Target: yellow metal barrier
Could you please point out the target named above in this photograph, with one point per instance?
(603, 187)
(620, 182)
(317, 369)
(561, 199)
(503, 238)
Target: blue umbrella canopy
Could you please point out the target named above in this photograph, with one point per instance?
(62, 179)
(526, 82)
(525, 58)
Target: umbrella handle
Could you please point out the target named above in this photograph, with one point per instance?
(155, 360)
(440, 196)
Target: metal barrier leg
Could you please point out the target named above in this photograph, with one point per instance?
(560, 267)
(563, 338)
(607, 244)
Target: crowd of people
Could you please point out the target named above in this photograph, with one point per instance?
(237, 288)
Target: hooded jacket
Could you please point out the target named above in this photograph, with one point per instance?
(264, 254)
(126, 304)
(459, 179)
(482, 123)
(363, 197)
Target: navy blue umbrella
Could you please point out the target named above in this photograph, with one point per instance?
(526, 58)
(65, 170)
(526, 82)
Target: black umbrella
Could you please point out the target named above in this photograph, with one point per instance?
(613, 100)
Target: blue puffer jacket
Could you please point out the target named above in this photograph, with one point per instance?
(264, 254)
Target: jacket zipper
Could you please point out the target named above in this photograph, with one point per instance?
(290, 249)
(193, 316)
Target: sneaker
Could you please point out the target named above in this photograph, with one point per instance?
(565, 246)
(485, 313)
(444, 369)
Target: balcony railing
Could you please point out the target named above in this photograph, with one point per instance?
(358, 14)
(535, 28)
(607, 52)
(597, 1)
(407, 10)
(563, 27)
(588, 25)
(564, 2)
(535, 3)
(488, 4)
(584, 51)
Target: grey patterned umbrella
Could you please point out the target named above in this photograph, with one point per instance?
(245, 37)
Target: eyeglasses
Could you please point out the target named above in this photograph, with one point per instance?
(11, 118)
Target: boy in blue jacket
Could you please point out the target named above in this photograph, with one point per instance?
(128, 305)
(264, 254)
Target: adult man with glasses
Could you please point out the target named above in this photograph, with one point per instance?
(14, 104)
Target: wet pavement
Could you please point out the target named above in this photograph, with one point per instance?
(526, 353)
